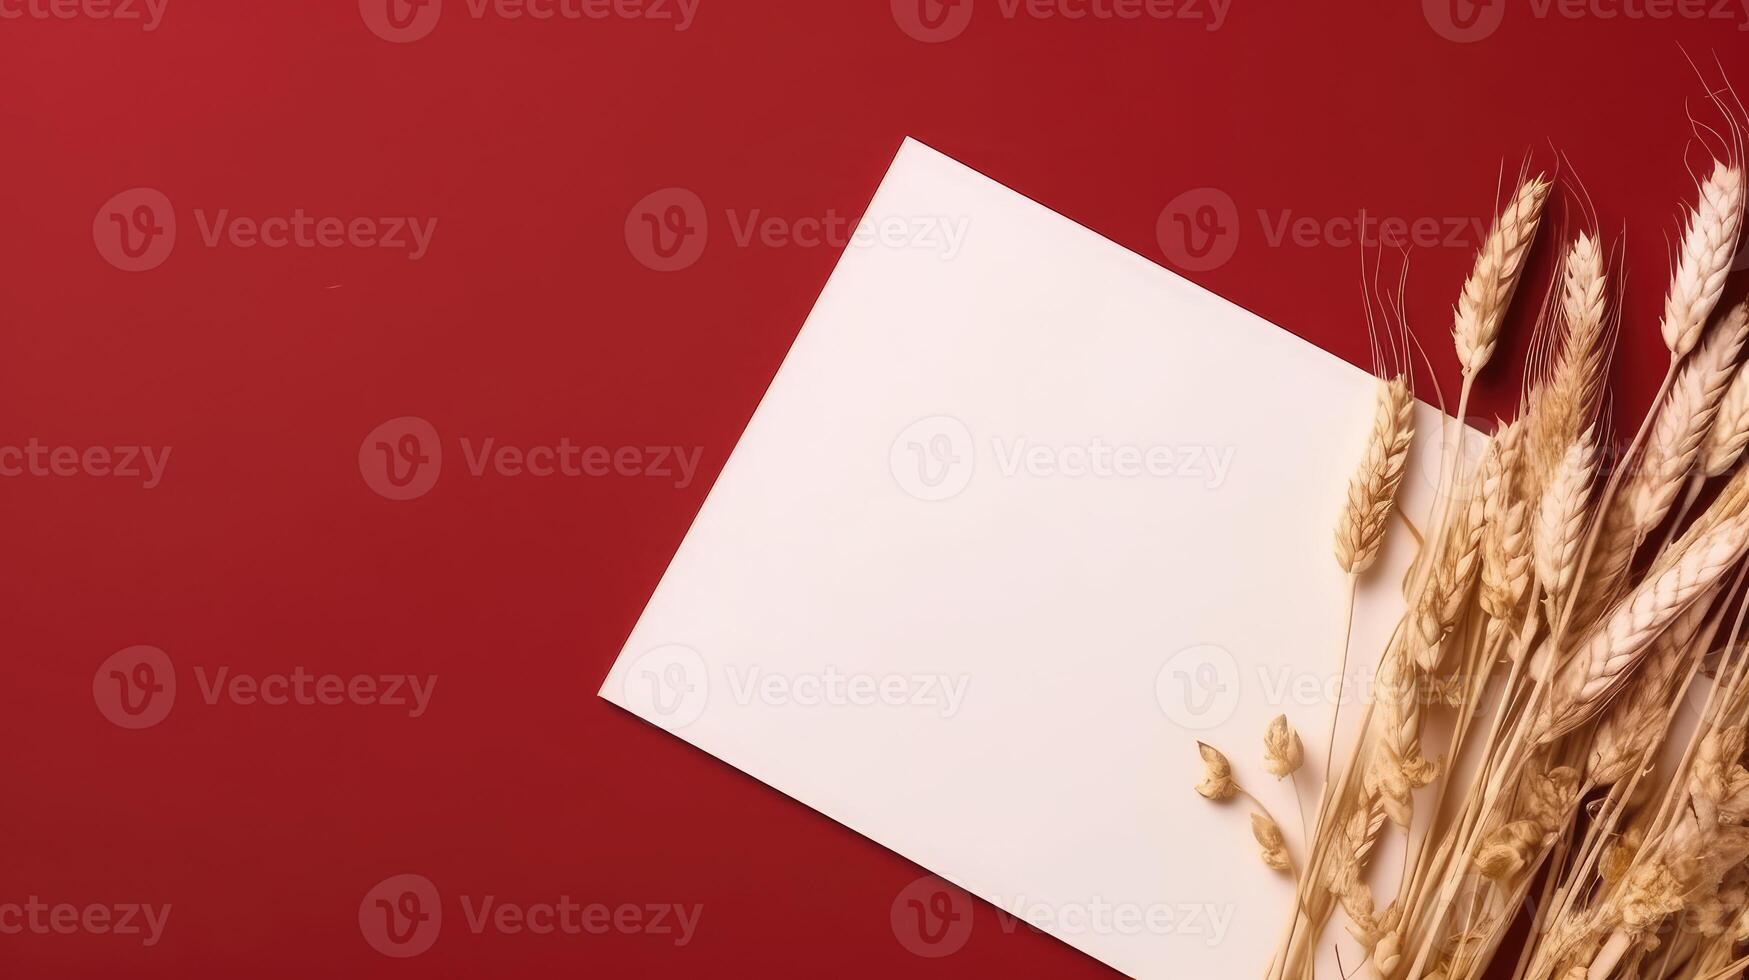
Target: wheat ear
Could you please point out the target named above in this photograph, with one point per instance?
(1566, 403)
(1724, 442)
(1601, 663)
(1488, 291)
(1709, 244)
(1456, 564)
(1683, 422)
(1679, 425)
(1691, 860)
(1560, 518)
(1397, 768)
(1360, 528)
(1344, 876)
(1731, 502)
(1634, 719)
(1545, 801)
(1506, 546)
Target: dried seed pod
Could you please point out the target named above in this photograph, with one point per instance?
(1388, 953)
(1217, 779)
(1270, 839)
(1283, 753)
(1509, 849)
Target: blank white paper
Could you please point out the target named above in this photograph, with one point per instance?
(1021, 517)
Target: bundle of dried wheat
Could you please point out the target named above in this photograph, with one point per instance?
(1591, 599)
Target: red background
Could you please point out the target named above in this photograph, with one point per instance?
(529, 320)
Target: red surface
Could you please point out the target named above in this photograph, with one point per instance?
(263, 549)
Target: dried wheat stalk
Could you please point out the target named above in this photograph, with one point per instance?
(1729, 433)
(1614, 648)
(1636, 718)
(1561, 516)
(1680, 424)
(1565, 405)
(1506, 543)
(1708, 248)
(1360, 528)
(1482, 305)
(1683, 423)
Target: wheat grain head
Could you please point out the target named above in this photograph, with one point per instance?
(1372, 491)
(1561, 516)
(1682, 423)
(1506, 544)
(1566, 403)
(1396, 767)
(1729, 433)
(1634, 719)
(1488, 291)
(1709, 243)
(1614, 647)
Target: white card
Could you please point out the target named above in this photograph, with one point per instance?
(1021, 517)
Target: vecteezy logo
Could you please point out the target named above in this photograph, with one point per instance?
(1198, 687)
(1464, 21)
(933, 458)
(1199, 229)
(401, 916)
(135, 230)
(136, 687)
(668, 685)
(400, 21)
(932, 918)
(667, 230)
(932, 21)
(401, 458)
(1470, 448)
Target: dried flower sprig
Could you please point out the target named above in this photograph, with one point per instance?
(1218, 784)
